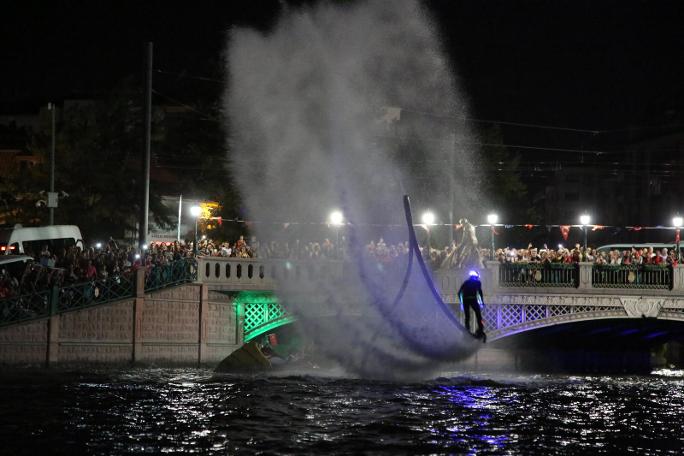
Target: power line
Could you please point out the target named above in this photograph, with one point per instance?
(205, 115)
(446, 116)
(189, 76)
(502, 122)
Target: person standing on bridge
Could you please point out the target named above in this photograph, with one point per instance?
(470, 295)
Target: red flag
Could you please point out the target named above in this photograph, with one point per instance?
(529, 226)
(597, 227)
(565, 231)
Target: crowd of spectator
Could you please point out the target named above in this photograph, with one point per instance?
(72, 264)
(76, 265)
(632, 256)
(296, 250)
(387, 253)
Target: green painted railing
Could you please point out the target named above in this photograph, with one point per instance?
(168, 275)
(632, 276)
(538, 275)
(93, 293)
(48, 302)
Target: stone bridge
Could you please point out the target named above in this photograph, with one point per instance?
(186, 313)
(519, 297)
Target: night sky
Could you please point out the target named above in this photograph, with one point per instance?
(580, 64)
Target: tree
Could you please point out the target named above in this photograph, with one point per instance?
(98, 150)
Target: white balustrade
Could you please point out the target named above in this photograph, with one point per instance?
(257, 274)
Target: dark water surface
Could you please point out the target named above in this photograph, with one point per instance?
(181, 411)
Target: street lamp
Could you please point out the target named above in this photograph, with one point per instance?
(428, 218)
(492, 219)
(336, 219)
(677, 223)
(195, 211)
(585, 219)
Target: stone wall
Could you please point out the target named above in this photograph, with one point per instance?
(184, 325)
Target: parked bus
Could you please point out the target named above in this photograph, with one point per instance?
(31, 240)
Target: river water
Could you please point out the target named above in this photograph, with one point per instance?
(181, 411)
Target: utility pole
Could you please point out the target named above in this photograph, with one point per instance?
(145, 206)
(52, 197)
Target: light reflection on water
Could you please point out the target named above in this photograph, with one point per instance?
(174, 411)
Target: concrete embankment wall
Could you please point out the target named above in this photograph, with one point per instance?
(184, 325)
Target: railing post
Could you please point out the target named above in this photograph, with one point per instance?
(492, 285)
(678, 278)
(585, 269)
(138, 304)
(200, 269)
(52, 352)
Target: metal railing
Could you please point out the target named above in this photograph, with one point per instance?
(174, 273)
(25, 307)
(44, 303)
(96, 292)
(632, 276)
(538, 275)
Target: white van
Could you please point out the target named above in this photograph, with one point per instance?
(30, 241)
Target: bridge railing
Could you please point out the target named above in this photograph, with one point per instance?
(174, 273)
(586, 276)
(43, 303)
(538, 275)
(258, 274)
(632, 276)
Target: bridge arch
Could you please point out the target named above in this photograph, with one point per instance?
(517, 314)
(261, 313)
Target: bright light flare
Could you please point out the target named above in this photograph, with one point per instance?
(336, 218)
(428, 218)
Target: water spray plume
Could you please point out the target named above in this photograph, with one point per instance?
(310, 126)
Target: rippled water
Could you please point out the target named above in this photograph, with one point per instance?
(179, 411)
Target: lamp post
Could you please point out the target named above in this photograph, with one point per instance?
(336, 219)
(492, 219)
(195, 211)
(428, 218)
(585, 219)
(677, 223)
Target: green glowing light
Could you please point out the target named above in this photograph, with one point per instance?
(261, 313)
